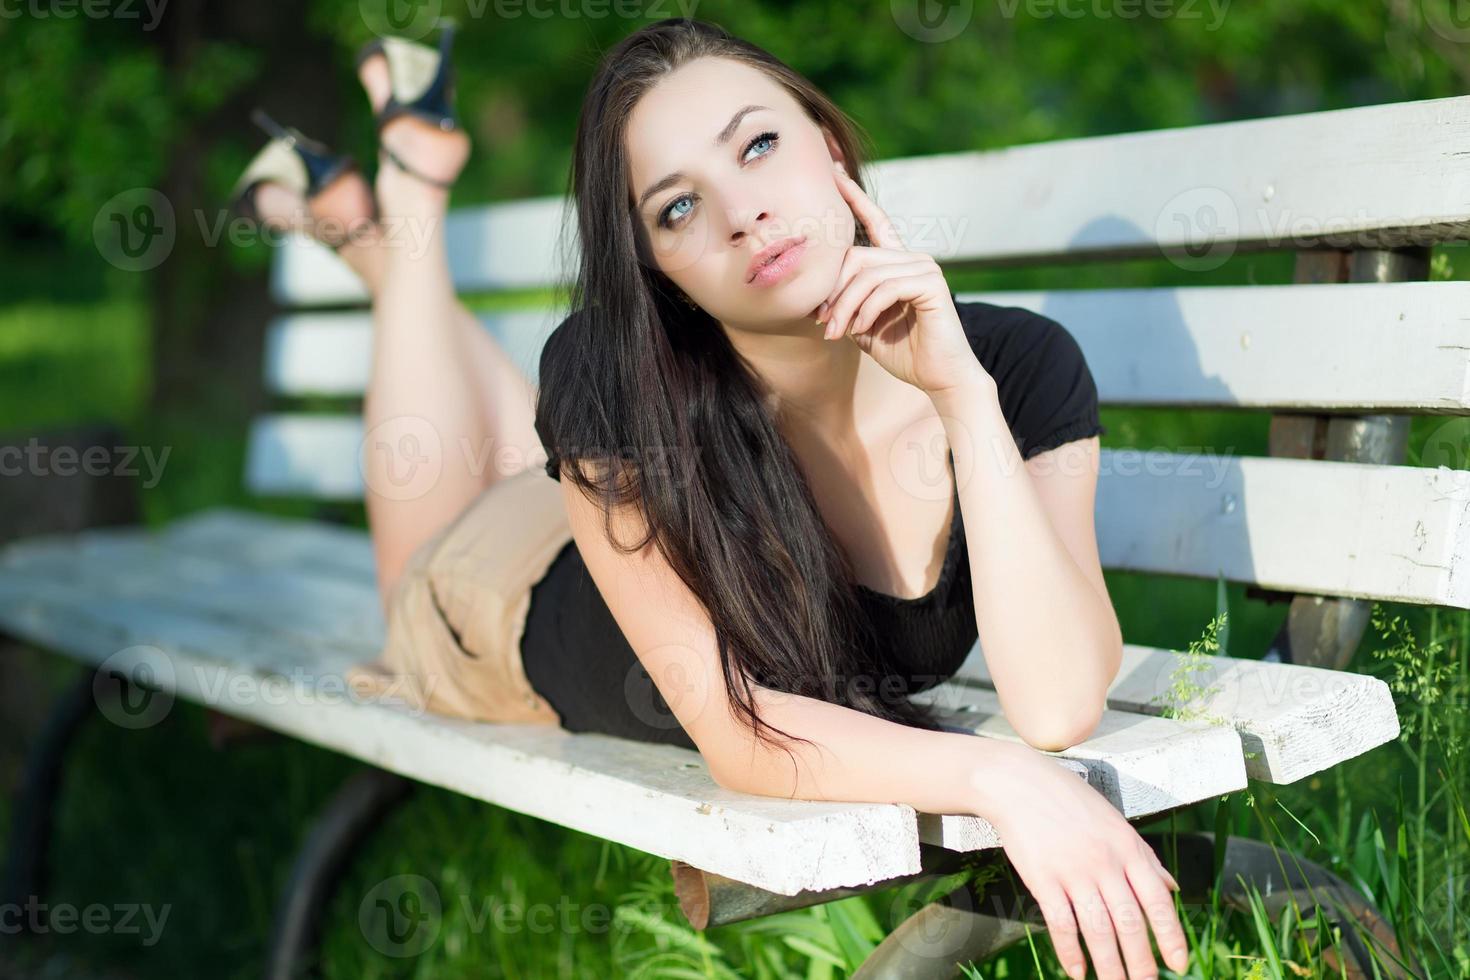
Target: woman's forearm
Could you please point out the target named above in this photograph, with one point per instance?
(1049, 639)
(857, 757)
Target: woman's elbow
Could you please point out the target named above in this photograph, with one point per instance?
(1061, 731)
(727, 780)
(732, 770)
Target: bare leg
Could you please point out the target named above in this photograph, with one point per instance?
(444, 400)
(447, 412)
(508, 394)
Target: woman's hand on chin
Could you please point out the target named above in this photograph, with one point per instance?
(896, 305)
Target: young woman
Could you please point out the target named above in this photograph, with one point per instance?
(745, 554)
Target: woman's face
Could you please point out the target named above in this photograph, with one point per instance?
(715, 181)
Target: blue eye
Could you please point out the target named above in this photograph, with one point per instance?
(664, 215)
(669, 211)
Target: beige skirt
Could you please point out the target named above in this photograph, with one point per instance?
(457, 614)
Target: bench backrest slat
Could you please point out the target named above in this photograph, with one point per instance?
(1258, 347)
(1395, 533)
(1379, 175)
(1382, 175)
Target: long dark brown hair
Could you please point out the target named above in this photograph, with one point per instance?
(676, 422)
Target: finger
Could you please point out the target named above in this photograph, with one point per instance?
(855, 260)
(1146, 851)
(1097, 928)
(1164, 872)
(892, 291)
(846, 306)
(888, 295)
(865, 340)
(880, 230)
(1061, 926)
(1130, 927)
(1163, 918)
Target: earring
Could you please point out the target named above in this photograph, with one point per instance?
(687, 301)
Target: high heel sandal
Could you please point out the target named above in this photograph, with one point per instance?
(421, 82)
(293, 160)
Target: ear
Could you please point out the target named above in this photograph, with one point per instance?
(833, 149)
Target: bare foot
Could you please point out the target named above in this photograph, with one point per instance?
(343, 212)
(341, 217)
(435, 153)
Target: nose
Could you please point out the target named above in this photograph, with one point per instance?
(748, 223)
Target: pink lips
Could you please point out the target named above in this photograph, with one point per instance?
(772, 263)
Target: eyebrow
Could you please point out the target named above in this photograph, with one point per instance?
(720, 140)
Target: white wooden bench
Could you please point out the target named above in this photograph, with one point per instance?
(257, 616)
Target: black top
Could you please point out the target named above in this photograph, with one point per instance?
(575, 654)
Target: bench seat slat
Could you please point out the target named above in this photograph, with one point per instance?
(216, 608)
(1143, 764)
(293, 604)
(255, 539)
(657, 798)
(1293, 720)
(207, 569)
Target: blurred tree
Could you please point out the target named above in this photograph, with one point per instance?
(93, 106)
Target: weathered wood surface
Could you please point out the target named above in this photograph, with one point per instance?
(1269, 347)
(1362, 530)
(259, 616)
(1317, 179)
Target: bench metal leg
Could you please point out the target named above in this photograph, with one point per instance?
(27, 866)
(707, 899)
(351, 816)
(1282, 879)
(1324, 631)
(961, 927)
(226, 731)
(953, 929)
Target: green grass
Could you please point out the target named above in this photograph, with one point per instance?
(156, 817)
(98, 348)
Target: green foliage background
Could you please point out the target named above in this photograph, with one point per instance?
(94, 106)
